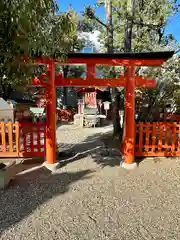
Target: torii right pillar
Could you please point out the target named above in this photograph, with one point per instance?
(129, 125)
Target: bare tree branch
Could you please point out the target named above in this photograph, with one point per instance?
(89, 12)
(100, 22)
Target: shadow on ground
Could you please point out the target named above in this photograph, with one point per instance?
(102, 148)
(31, 189)
(95, 146)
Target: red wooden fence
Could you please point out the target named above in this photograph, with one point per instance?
(28, 139)
(22, 139)
(158, 139)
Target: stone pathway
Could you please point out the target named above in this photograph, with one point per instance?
(90, 198)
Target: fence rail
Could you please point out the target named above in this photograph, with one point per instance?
(22, 139)
(158, 139)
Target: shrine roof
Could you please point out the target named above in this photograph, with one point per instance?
(143, 55)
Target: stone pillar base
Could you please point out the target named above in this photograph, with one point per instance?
(51, 166)
(127, 166)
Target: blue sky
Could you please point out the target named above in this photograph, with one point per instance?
(78, 5)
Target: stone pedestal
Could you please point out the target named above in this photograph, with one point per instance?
(51, 167)
(78, 119)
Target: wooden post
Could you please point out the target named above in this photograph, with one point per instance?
(129, 128)
(51, 117)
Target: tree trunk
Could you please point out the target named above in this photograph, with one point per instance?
(114, 92)
(65, 73)
(115, 96)
(128, 29)
(109, 42)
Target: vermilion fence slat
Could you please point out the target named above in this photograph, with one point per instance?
(31, 138)
(10, 136)
(178, 139)
(173, 138)
(17, 137)
(160, 137)
(38, 139)
(153, 137)
(147, 132)
(3, 136)
(24, 135)
(167, 131)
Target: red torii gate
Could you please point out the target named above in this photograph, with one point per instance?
(129, 80)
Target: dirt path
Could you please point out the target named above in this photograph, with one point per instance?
(90, 198)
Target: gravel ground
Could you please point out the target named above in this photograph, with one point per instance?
(91, 198)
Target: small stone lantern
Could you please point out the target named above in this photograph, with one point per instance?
(106, 106)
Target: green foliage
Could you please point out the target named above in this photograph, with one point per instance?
(148, 21)
(32, 28)
(150, 102)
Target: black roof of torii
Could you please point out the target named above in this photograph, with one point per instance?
(143, 55)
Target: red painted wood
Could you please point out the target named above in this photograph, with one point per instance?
(31, 130)
(51, 117)
(173, 138)
(10, 136)
(102, 61)
(90, 71)
(90, 82)
(103, 82)
(129, 135)
(171, 146)
(17, 137)
(158, 154)
(3, 136)
(148, 125)
(38, 138)
(24, 135)
(33, 149)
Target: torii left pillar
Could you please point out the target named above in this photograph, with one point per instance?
(51, 119)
